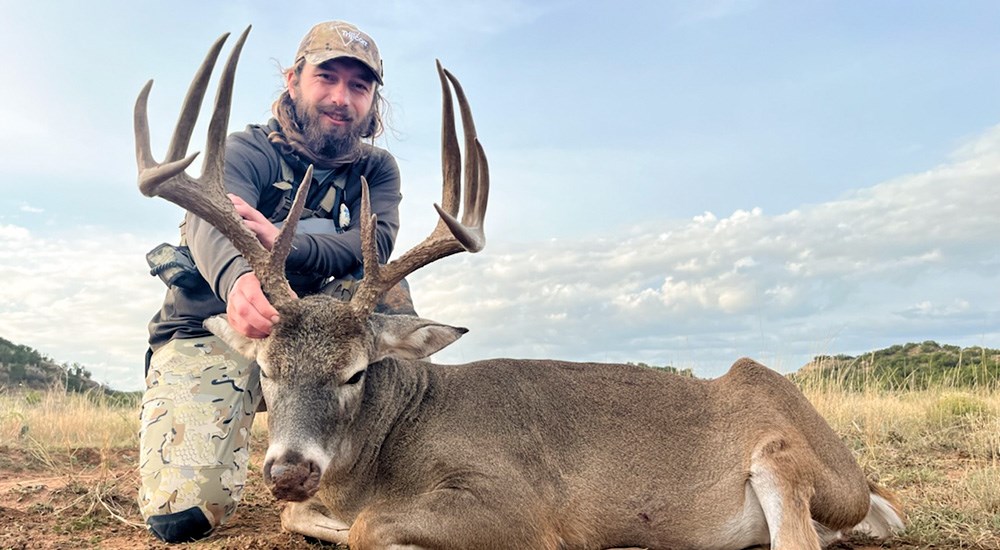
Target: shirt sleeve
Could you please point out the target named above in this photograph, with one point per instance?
(248, 169)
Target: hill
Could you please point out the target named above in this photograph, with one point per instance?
(908, 366)
(24, 368)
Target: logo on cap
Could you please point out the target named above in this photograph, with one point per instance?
(351, 36)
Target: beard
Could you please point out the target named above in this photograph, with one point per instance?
(339, 142)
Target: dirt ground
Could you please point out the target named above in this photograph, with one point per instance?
(85, 498)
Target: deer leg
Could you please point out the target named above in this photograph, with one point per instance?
(456, 519)
(777, 478)
(312, 519)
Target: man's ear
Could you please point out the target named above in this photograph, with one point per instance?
(410, 337)
(290, 82)
(219, 326)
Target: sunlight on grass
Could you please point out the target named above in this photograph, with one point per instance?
(67, 420)
(937, 449)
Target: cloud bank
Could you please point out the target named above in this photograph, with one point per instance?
(910, 259)
(914, 258)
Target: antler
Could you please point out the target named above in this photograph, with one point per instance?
(205, 196)
(449, 236)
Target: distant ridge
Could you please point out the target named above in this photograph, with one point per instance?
(907, 366)
(24, 368)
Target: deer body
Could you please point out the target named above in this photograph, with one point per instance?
(503, 453)
(544, 454)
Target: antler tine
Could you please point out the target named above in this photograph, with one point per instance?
(450, 153)
(472, 157)
(470, 231)
(283, 242)
(220, 116)
(371, 288)
(205, 196)
(449, 235)
(143, 152)
(477, 186)
(192, 101)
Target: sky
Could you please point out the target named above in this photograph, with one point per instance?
(673, 182)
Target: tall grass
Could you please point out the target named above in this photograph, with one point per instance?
(937, 449)
(68, 420)
(64, 420)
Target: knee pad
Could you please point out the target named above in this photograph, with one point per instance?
(187, 526)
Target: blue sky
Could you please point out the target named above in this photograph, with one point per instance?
(674, 182)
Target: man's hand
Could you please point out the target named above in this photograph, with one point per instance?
(248, 310)
(256, 222)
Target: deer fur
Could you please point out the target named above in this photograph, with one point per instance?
(508, 453)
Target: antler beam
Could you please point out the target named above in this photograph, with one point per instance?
(205, 196)
(449, 236)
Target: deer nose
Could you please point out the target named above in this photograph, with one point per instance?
(292, 477)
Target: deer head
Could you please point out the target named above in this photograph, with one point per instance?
(314, 361)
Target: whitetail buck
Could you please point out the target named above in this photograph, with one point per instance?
(374, 447)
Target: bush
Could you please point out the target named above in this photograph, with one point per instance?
(958, 409)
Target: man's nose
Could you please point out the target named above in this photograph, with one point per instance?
(339, 94)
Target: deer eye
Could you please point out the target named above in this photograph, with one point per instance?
(356, 377)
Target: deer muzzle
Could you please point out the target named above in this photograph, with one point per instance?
(292, 477)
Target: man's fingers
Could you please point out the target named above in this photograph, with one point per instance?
(248, 310)
(246, 327)
(256, 222)
(263, 307)
(246, 319)
(246, 211)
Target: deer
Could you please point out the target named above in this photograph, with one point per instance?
(373, 446)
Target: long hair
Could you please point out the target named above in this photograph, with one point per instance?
(289, 138)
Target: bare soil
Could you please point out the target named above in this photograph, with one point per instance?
(85, 498)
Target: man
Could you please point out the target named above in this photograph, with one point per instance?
(201, 396)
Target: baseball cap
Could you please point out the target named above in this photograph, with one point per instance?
(332, 39)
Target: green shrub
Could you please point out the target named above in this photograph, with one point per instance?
(958, 408)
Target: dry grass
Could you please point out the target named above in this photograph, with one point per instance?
(56, 419)
(938, 450)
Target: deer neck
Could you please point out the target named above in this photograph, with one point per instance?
(394, 394)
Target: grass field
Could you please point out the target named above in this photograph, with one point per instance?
(938, 450)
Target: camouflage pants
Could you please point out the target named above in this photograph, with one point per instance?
(197, 411)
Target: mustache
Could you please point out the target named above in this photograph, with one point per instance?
(342, 113)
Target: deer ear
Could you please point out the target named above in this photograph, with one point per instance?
(219, 326)
(409, 337)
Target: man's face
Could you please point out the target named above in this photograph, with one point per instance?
(333, 104)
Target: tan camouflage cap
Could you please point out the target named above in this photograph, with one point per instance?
(333, 39)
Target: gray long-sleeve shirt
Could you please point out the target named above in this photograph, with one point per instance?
(320, 249)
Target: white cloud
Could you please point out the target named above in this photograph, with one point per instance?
(81, 298)
(865, 269)
(790, 283)
(913, 258)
